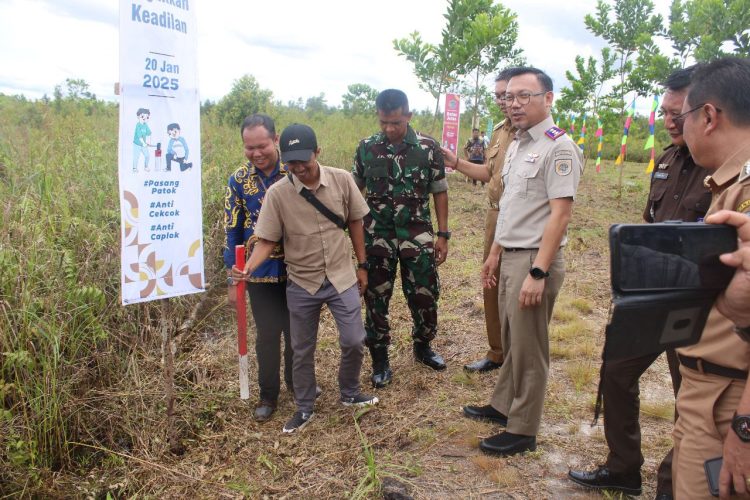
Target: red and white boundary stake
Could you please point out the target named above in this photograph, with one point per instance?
(239, 257)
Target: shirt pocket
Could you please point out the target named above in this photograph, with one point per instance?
(529, 179)
(697, 202)
(376, 177)
(658, 188)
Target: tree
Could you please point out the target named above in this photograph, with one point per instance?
(316, 104)
(489, 38)
(245, 98)
(359, 100)
(437, 67)
(627, 34)
(706, 29)
(585, 94)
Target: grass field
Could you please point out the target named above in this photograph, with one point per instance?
(83, 409)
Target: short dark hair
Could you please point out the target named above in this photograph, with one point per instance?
(724, 83)
(390, 100)
(475, 130)
(142, 111)
(543, 78)
(259, 120)
(173, 126)
(508, 73)
(679, 79)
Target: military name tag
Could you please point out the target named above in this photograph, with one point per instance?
(661, 175)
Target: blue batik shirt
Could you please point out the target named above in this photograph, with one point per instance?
(244, 197)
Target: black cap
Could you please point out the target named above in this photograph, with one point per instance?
(297, 143)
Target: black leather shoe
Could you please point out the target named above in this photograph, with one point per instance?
(603, 479)
(664, 496)
(427, 356)
(486, 412)
(507, 443)
(483, 365)
(381, 368)
(264, 410)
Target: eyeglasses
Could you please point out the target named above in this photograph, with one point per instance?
(523, 99)
(679, 120)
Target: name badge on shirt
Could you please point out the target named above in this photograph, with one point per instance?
(661, 175)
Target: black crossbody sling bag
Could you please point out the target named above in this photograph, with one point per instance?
(312, 200)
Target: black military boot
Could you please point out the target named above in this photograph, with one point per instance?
(381, 369)
(427, 356)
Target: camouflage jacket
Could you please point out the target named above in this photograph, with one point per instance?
(399, 179)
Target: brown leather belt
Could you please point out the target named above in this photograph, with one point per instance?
(703, 366)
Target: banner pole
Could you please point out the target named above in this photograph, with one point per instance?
(239, 257)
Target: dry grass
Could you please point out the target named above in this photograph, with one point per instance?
(416, 433)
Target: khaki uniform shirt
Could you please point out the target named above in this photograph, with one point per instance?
(677, 191)
(314, 247)
(719, 344)
(538, 168)
(502, 136)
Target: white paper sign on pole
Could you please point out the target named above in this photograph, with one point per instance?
(159, 153)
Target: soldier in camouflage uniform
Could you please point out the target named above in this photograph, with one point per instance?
(398, 169)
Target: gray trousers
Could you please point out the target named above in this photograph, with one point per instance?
(522, 381)
(304, 316)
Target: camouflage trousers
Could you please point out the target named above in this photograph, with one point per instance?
(419, 282)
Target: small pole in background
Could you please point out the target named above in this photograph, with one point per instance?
(239, 257)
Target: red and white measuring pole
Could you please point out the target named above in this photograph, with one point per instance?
(239, 257)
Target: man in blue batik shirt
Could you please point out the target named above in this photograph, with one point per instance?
(267, 286)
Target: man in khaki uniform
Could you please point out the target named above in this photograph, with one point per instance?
(540, 176)
(714, 398)
(491, 173)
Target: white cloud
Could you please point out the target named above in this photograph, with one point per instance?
(296, 48)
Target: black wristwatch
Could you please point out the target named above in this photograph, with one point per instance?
(741, 427)
(364, 265)
(444, 234)
(538, 274)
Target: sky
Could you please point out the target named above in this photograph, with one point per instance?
(295, 48)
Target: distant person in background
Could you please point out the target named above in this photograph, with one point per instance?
(677, 193)
(319, 262)
(491, 172)
(399, 169)
(266, 286)
(474, 151)
(485, 139)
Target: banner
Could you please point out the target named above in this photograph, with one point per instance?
(451, 122)
(159, 151)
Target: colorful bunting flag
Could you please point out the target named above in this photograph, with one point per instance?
(625, 130)
(572, 124)
(650, 141)
(600, 135)
(582, 138)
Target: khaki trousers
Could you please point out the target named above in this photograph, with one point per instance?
(492, 318)
(706, 404)
(522, 381)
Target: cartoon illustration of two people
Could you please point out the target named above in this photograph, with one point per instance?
(177, 148)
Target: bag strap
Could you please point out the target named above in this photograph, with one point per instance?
(310, 198)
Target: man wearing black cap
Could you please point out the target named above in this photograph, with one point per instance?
(309, 211)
